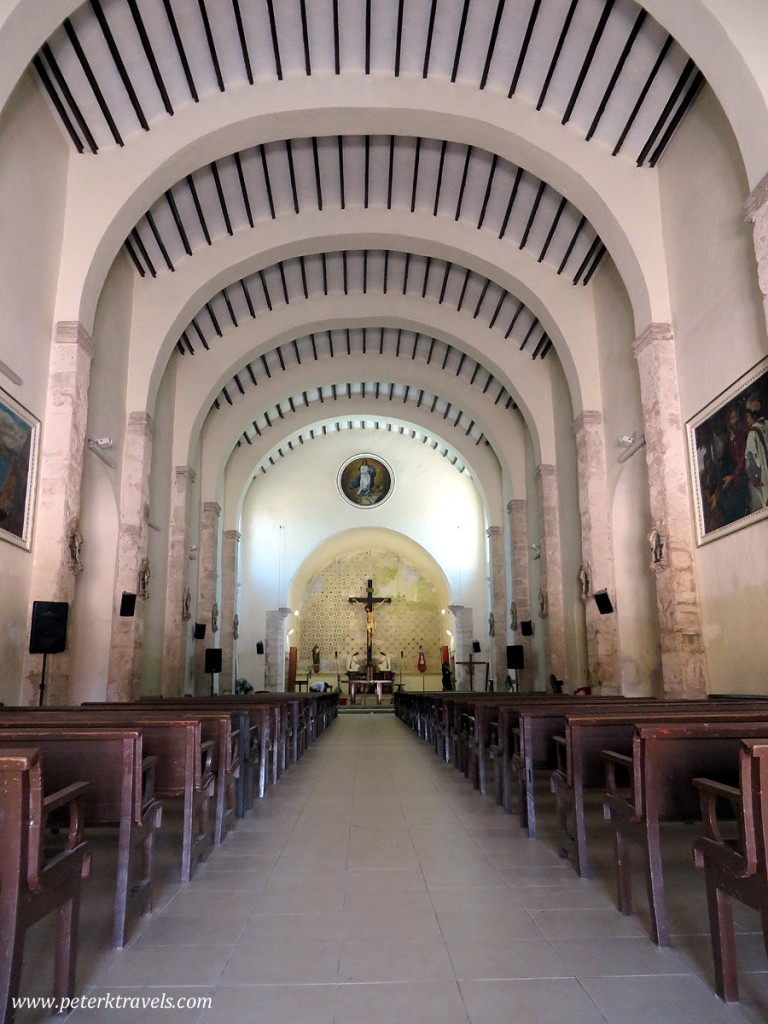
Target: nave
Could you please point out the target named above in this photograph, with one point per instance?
(373, 885)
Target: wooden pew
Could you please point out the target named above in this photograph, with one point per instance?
(217, 727)
(121, 795)
(735, 867)
(31, 887)
(658, 788)
(580, 766)
(184, 769)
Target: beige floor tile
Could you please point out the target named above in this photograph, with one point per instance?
(684, 1000)
(282, 962)
(272, 1004)
(394, 960)
(400, 1003)
(549, 1001)
(169, 966)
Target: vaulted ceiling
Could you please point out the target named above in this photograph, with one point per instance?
(604, 71)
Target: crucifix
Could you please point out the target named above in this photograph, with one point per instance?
(369, 602)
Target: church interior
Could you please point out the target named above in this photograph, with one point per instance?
(345, 341)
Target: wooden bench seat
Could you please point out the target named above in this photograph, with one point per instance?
(32, 887)
(121, 795)
(735, 866)
(184, 769)
(654, 785)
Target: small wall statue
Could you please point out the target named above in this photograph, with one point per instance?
(144, 575)
(658, 550)
(186, 605)
(75, 543)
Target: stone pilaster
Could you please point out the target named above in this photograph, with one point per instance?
(462, 644)
(550, 599)
(178, 602)
(756, 209)
(498, 642)
(207, 590)
(274, 650)
(58, 502)
(229, 563)
(597, 552)
(682, 649)
(517, 510)
(124, 674)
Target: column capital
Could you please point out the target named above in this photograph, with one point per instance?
(516, 504)
(234, 535)
(141, 424)
(652, 334)
(756, 200)
(283, 612)
(185, 471)
(493, 531)
(212, 506)
(454, 609)
(545, 471)
(72, 332)
(587, 418)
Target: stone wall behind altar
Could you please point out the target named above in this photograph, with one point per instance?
(330, 621)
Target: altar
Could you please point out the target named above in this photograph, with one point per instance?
(381, 682)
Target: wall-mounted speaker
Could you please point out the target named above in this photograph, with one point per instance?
(259, 646)
(515, 656)
(526, 627)
(476, 646)
(48, 631)
(603, 602)
(127, 605)
(199, 633)
(213, 659)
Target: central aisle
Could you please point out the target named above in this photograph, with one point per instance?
(373, 886)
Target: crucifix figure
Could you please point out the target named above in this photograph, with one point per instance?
(369, 602)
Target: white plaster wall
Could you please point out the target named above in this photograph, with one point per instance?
(720, 333)
(157, 551)
(570, 529)
(432, 503)
(91, 611)
(33, 174)
(635, 603)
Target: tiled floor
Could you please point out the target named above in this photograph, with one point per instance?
(373, 886)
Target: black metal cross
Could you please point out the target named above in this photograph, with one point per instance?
(369, 602)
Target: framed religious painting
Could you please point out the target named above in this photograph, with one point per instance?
(365, 481)
(728, 457)
(19, 441)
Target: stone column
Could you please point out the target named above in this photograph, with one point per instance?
(462, 646)
(597, 553)
(521, 590)
(58, 501)
(124, 674)
(274, 650)
(178, 600)
(756, 208)
(498, 642)
(207, 590)
(229, 562)
(550, 599)
(682, 648)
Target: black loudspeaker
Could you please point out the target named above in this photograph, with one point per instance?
(48, 633)
(213, 659)
(259, 647)
(603, 602)
(199, 633)
(127, 605)
(526, 627)
(515, 658)
(476, 646)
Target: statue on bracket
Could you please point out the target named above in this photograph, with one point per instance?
(186, 605)
(585, 580)
(542, 603)
(144, 574)
(215, 618)
(513, 616)
(658, 550)
(75, 543)
(236, 627)
(491, 625)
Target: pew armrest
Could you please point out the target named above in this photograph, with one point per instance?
(148, 766)
(71, 797)
(712, 796)
(561, 755)
(621, 797)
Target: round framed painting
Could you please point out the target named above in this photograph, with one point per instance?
(365, 481)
